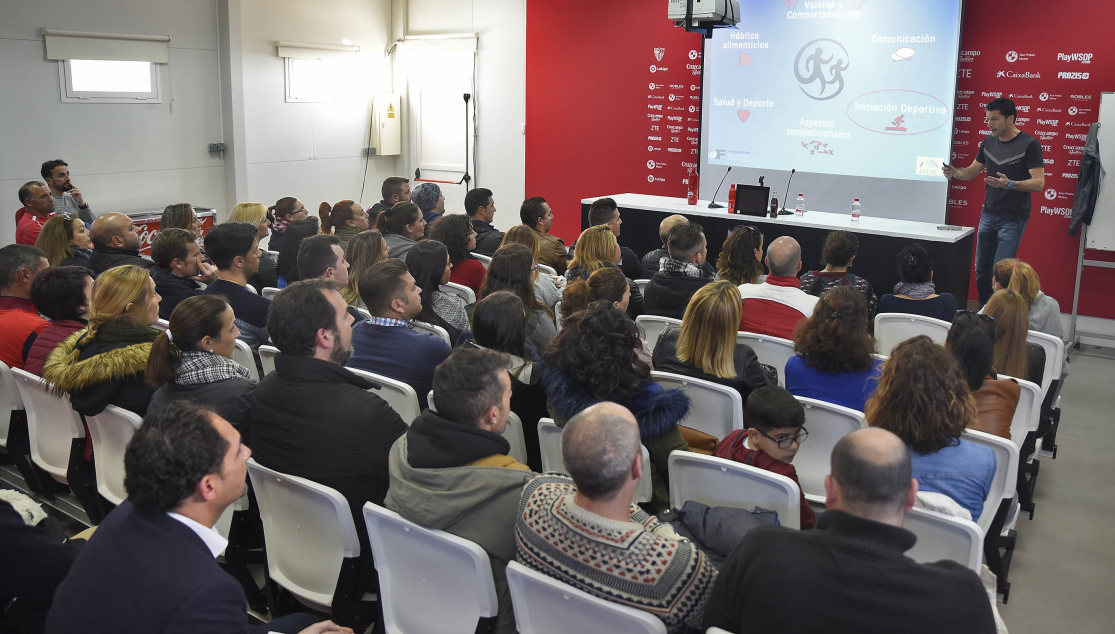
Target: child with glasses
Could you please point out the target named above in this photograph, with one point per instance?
(775, 433)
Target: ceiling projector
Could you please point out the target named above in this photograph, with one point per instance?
(717, 13)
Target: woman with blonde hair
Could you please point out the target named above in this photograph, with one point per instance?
(344, 220)
(1020, 277)
(596, 249)
(65, 241)
(1014, 356)
(705, 345)
(255, 214)
(547, 287)
(105, 363)
(365, 249)
(924, 399)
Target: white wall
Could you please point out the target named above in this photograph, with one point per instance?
(124, 157)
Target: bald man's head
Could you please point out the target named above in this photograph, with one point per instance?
(598, 447)
(114, 230)
(669, 223)
(872, 468)
(784, 257)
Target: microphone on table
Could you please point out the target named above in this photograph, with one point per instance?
(783, 212)
(713, 204)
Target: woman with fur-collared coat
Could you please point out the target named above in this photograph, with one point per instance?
(105, 363)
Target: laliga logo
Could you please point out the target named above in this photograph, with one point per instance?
(1050, 194)
(1012, 56)
(658, 53)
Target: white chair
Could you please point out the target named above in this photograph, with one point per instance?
(485, 260)
(713, 408)
(459, 289)
(514, 435)
(309, 533)
(892, 329)
(1028, 412)
(52, 424)
(544, 605)
(770, 350)
(10, 401)
(1054, 357)
(548, 270)
(242, 354)
(827, 424)
(401, 397)
(111, 430)
(430, 402)
(429, 580)
(943, 536)
(162, 324)
(251, 288)
(549, 443)
(274, 254)
(267, 356)
(421, 326)
(364, 313)
(224, 522)
(1006, 473)
(716, 630)
(721, 482)
(653, 327)
(642, 284)
(269, 292)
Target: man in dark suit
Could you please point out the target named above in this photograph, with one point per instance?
(151, 565)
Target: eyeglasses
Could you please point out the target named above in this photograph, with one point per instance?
(987, 318)
(534, 268)
(785, 442)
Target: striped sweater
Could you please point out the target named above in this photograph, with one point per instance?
(641, 563)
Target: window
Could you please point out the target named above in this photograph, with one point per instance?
(109, 81)
(318, 80)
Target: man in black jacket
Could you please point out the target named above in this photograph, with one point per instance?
(481, 209)
(178, 268)
(115, 243)
(680, 275)
(850, 573)
(35, 562)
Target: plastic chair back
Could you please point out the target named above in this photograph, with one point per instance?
(364, 313)
(548, 270)
(429, 580)
(485, 260)
(713, 408)
(544, 605)
(1027, 414)
(943, 536)
(892, 329)
(52, 424)
(549, 442)
(267, 356)
(653, 327)
(10, 401)
(401, 397)
(1054, 357)
(111, 430)
(242, 354)
(827, 424)
(514, 435)
(269, 292)
(642, 284)
(721, 482)
(224, 522)
(421, 326)
(460, 290)
(309, 532)
(1006, 473)
(161, 324)
(251, 288)
(770, 350)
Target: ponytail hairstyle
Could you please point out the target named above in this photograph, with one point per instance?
(193, 319)
(1012, 322)
(835, 339)
(914, 265)
(338, 217)
(708, 329)
(1019, 277)
(397, 218)
(282, 208)
(607, 283)
(113, 291)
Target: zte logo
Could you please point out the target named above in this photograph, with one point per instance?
(961, 106)
(1046, 148)
(1083, 58)
(1072, 75)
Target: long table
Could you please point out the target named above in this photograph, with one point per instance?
(880, 238)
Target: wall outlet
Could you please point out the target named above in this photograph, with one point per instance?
(216, 147)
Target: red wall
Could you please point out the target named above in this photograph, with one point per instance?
(587, 97)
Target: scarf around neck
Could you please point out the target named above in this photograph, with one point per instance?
(198, 368)
(670, 265)
(123, 331)
(914, 290)
(279, 224)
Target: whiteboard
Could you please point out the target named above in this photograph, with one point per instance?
(438, 78)
(1101, 233)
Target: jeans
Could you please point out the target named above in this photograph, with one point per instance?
(996, 239)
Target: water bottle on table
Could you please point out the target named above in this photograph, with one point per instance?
(800, 209)
(855, 210)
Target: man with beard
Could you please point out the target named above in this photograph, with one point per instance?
(115, 243)
(178, 268)
(67, 198)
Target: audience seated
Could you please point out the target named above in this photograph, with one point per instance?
(451, 471)
(777, 305)
(234, 247)
(481, 210)
(837, 256)
(596, 358)
(314, 419)
(180, 216)
(606, 283)
(38, 206)
(972, 341)
(65, 241)
(584, 530)
(255, 214)
(287, 266)
(285, 211)
(429, 265)
(741, 256)
(535, 213)
(833, 361)
(498, 324)
(105, 363)
(924, 399)
(365, 249)
(192, 361)
(430, 200)
(395, 190)
(67, 198)
(151, 566)
(915, 293)
(1014, 356)
(387, 344)
(513, 269)
(178, 268)
(320, 258)
(649, 261)
(596, 249)
(35, 563)
(346, 219)
(62, 295)
(604, 211)
(774, 434)
(545, 285)
(681, 274)
(850, 574)
(456, 233)
(20, 322)
(705, 346)
(1020, 277)
(402, 226)
(115, 243)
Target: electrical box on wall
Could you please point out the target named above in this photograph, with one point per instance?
(387, 124)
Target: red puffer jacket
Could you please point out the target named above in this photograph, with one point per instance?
(47, 341)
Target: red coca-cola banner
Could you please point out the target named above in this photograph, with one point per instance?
(147, 226)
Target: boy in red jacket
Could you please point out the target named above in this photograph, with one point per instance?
(776, 432)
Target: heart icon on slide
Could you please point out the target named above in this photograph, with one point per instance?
(743, 115)
(744, 59)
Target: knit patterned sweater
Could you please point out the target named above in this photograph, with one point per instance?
(640, 563)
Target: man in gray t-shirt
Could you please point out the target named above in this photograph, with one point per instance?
(1015, 169)
(67, 198)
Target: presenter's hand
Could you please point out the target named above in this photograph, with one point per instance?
(949, 171)
(998, 182)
